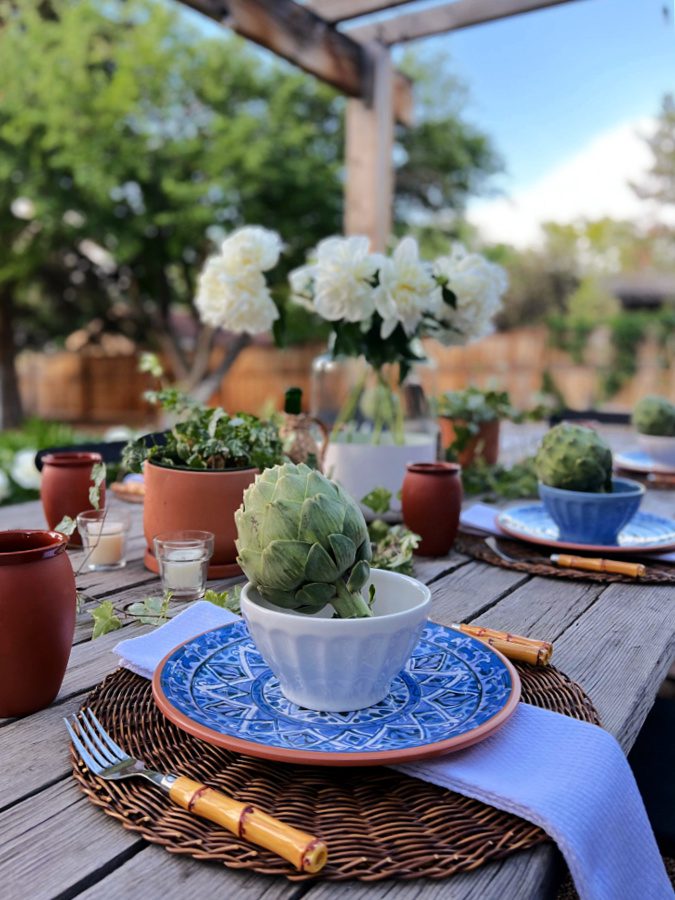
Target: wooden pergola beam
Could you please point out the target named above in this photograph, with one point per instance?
(341, 10)
(299, 35)
(449, 17)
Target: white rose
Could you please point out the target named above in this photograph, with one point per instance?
(478, 286)
(251, 247)
(24, 471)
(301, 281)
(342, 273)
(407, 289)
(5, 487)
(236, 302)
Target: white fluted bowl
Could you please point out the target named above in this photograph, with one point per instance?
(339, 665)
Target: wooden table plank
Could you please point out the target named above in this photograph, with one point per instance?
(637, 624)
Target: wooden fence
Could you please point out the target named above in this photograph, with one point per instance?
(108, 390)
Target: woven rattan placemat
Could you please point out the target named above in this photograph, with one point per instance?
(526, 559)
(377, 823)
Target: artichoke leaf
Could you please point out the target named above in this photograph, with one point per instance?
(354, 525)
(365, 551)
(248, 530)
(358, 578)
(344, 551)
(283, 564)
(280, 522)
(292, 486)
(319, 566)
(321, 517)
(315, 594)
(251, 564)
(318, 485)
(286, 599)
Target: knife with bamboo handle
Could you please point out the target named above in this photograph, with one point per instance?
(567, 561)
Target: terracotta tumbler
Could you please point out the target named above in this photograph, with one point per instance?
(484, 445)
(431, 501)
(37, 619)
(64, 488)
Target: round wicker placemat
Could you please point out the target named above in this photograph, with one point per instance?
(377, 823)
(524, 555)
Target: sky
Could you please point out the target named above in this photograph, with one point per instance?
(565, 94)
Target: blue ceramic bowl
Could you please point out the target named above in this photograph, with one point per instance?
(586, 518)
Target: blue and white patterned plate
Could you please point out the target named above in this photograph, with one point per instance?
(645, 533)
(454, 691)
(639, 461)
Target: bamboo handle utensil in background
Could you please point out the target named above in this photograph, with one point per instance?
(513, 646)
(306, 853)
(633, 570)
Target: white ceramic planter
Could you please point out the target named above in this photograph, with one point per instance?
(660, 448)
(360, 466)
(339, 665)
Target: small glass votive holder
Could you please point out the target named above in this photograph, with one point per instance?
(104, 538)
(183, 558)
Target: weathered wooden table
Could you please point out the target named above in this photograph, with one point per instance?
(616, 640)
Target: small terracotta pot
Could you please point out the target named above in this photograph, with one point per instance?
(431, 500)
(37, 619)
(484, 445)
(64, 488)
(195, 500)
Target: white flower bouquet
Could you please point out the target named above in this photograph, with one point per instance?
(379, 306)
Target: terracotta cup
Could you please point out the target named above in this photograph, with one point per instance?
(484, 445)
(64, 488)
(195, 500)
(431, 500)
(37, 619)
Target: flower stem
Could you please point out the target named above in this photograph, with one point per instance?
(349, 407)
(349, 605)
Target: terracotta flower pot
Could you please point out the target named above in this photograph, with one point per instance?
(65, 484)
(484, 445)
(431, 501)
(195, 500)
(37, 619)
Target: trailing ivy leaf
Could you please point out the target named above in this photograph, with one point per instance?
(379, 500)
(98, 472)
(229, 599)
(151, 610)
(105, 619)
(449, 296)
(66, 526)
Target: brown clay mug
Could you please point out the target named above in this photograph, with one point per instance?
(37, 619)
(431, 501)
(65, 484)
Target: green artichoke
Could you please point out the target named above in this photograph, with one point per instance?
(574, 458)
(303, 542)
(654, 415)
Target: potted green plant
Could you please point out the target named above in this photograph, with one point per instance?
(195, 478)
(654, 421)
(334, 631)
(470, 423)
(589, 506)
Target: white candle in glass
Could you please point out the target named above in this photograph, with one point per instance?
(106, 543)
(183, 570)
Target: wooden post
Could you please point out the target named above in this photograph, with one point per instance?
(369, 184)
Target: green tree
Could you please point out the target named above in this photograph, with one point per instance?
(131, 142)
(660, 182)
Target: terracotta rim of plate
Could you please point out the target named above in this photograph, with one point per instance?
(228, 571)
(316, 757)
(626, 550)
(622, 462)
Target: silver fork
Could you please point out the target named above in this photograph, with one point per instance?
(107, 760)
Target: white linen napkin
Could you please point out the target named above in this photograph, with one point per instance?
(482, 518)
(570, 778)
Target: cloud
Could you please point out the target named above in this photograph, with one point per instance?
(591, 184)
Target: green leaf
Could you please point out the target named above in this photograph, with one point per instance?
(151, 610)
(105, 619)
(66, 526)
(98, 473)
(379, 500)
(229, 599)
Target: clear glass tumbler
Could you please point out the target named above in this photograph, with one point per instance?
(104, 538)
(183, 558)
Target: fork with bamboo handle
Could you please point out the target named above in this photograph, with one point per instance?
(107, 760)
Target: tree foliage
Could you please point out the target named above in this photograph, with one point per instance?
(130, 142)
